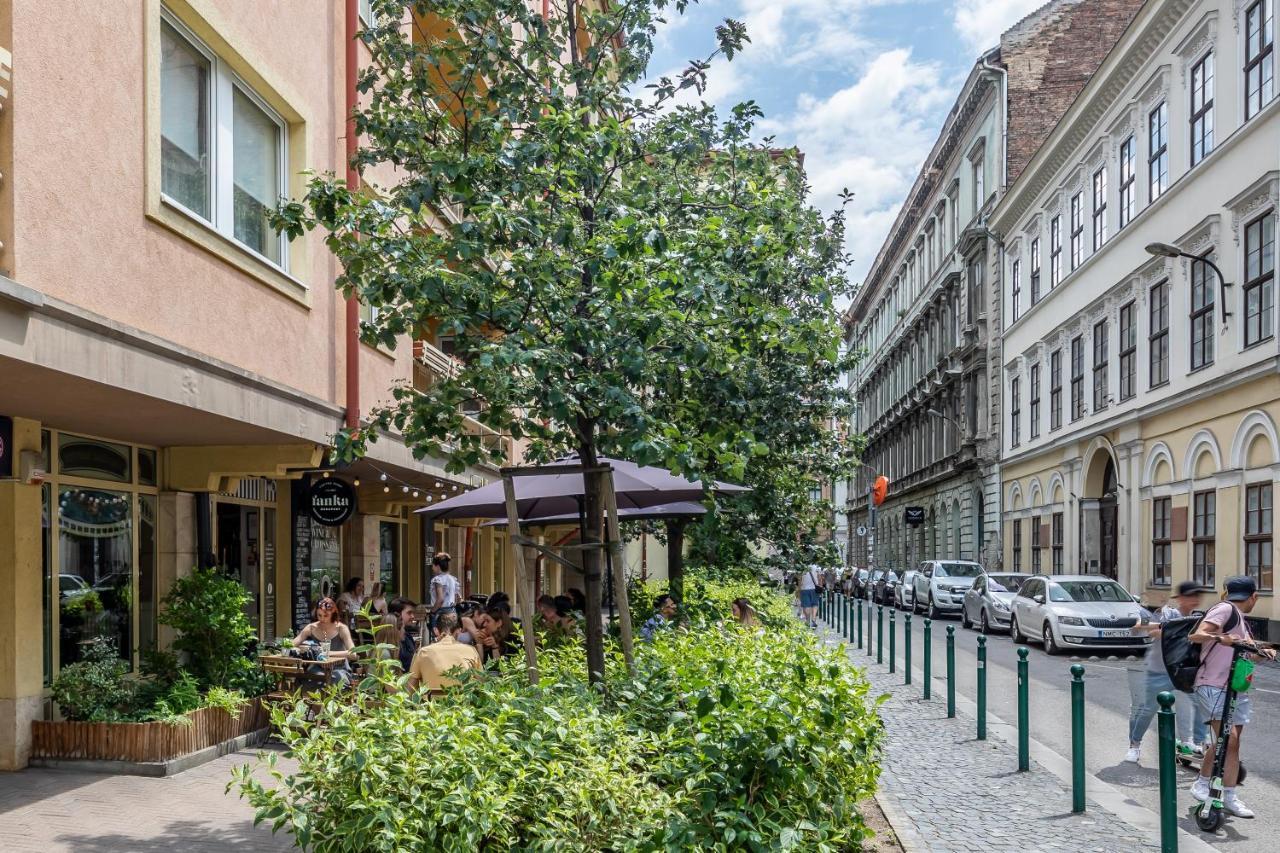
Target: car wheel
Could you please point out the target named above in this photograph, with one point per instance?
(1051, 646)
(964, 617)
(1014, 631)
(986, 625)
(934, 612)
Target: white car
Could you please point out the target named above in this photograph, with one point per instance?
(940, 585)
(904, 595)
(1076, 611)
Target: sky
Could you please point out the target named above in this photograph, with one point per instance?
(860, 86)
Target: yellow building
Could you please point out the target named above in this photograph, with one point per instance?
(1141, 389)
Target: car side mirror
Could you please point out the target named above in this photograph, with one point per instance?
(1038, 599)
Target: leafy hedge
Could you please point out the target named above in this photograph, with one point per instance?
(722, 739)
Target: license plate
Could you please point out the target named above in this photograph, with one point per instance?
(1116, 632)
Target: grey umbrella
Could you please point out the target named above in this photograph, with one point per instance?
(659, 512)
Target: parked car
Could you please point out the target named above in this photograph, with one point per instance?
(989, 602)
(872, 581)
(884, 588)
(940, 585)
(1076, 611)
(72, 586)
(860, 579)
(905, 595)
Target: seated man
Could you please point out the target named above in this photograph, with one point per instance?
(664, 611)
(432, 662)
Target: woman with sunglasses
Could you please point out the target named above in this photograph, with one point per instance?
(332, 635)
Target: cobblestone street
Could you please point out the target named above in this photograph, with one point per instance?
(51, 811)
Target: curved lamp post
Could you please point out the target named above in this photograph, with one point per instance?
(1168, 250)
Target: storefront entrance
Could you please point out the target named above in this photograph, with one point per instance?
(245, 526)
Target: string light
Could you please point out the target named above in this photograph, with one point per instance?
(356, 482)
(383, 476)
(415, 493)
(326, 475)
(405, 490)
(386, 488)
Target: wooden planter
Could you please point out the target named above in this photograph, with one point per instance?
(144, 742)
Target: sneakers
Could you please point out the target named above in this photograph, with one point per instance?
(1185, 749)
(1133, 755)
(1200, 789)
(1232, 803)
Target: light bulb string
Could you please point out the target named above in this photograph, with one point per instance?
(389, 480)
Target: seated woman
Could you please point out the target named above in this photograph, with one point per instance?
(377, 600)
(333, 637)
(744, 614)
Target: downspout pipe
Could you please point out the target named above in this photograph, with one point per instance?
(352, 326)
(1004, 112)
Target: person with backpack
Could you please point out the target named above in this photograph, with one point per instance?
(1155, 680)
(1222, 627)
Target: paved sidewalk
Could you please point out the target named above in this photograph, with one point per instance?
(946, 792)
(51, 811)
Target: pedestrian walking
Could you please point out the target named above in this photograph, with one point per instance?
(808, 587)
(1145, 686)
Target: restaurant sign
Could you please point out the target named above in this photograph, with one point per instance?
(331, 501)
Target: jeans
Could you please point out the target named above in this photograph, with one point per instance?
(1145, 686)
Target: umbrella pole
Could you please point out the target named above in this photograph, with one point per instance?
(618, 569)
(524, 579)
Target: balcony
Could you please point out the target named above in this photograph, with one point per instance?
(431, 364)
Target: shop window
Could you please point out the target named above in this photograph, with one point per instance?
(148, 599)
(1203, 543)
(389, 557)
(95, 580)
(1161, 542)
(1258, 530)
(46, 561)
(146, 467)
(92, 459)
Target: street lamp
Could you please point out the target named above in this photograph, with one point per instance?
(937, 414)
(1168, 250)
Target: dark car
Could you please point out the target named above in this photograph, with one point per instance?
(869, 585)
(860, 578)
(885, 588)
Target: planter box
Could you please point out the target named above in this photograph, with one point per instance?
(143, 742)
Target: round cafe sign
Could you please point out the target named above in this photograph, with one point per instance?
(332, 501)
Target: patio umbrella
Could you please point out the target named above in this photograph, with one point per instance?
(543, 495)
(659, 512)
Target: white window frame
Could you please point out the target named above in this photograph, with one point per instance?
(223, 82)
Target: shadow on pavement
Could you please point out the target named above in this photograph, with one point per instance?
(182, 835)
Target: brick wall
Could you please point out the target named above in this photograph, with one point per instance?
(1050, 55)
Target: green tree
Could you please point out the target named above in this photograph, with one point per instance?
(598, 254)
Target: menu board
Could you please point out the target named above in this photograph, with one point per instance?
(301, 568)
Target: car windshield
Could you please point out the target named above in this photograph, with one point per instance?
(1005, 583)
(958, 570)
(1087, 591)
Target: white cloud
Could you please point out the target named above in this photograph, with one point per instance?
(980, 22)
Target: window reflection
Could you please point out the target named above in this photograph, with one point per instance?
(95, 572)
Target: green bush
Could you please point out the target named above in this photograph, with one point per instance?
(722, 739)
(206, 609)
(95, 688)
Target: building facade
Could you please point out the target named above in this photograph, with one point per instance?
(1140, 441)
(927, 317)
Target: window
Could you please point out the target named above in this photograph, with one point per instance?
(1015, 409)
(235, 184)
(1077, 378)
(1100, 366)
(1202, 108)
(1035, 545)
(1035, 401)
(1257, 534)
(1158, 159)
(1035, 271)
(1159, 335)
(1128, 352)
(1056, 543)
(953, 201)
(1259, 67)
(366, 11)
(1055, 251)
(1201, 315)
(1161, 542)
(1203, 547)
(1259, 274)
(1016, 276)
(1055, 389)
(928, 256)
(1099, 208)
(979, 181)
(1017, 544)
(1127, 174)
(1077, 229)
(975, 304)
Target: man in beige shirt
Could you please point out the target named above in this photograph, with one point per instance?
(432, 662)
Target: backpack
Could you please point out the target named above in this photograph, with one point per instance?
(1181, 656)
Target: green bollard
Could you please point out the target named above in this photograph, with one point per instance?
(1077, 738)
(822, 605)
(860, 644)
(848, 619)
(928, 658)
(906, 652)
(1168, 775)
(951, 671)
(879, 633)
(840, 613)
(1024, 724)
(893, 655)
(982, 687)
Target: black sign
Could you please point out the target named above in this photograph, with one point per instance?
(331, 501)
(914, 516)
(6, 446)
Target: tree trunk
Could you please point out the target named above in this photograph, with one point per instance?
(675, 558)
(593, 505)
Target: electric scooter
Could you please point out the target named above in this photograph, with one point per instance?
(1209, 815)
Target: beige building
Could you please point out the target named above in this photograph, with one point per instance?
(1141, 391)
(171, 371)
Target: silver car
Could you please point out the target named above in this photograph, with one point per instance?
(940, 585)
(1076, 611)
(989, 602)
(904, 595)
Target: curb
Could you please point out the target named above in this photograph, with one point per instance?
(1103, 793)
(908, 837)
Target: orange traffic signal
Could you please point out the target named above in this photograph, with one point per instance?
(879, 490)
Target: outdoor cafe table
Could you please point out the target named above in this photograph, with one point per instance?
(298, 672)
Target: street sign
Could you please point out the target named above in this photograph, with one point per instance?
(862, 530)
(914, 516)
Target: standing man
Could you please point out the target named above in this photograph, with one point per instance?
(808, 586)
(446, 654)
(1155, 679)
(446, 592)
(1222, 627)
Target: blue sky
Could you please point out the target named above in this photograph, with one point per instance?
(861, 86)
